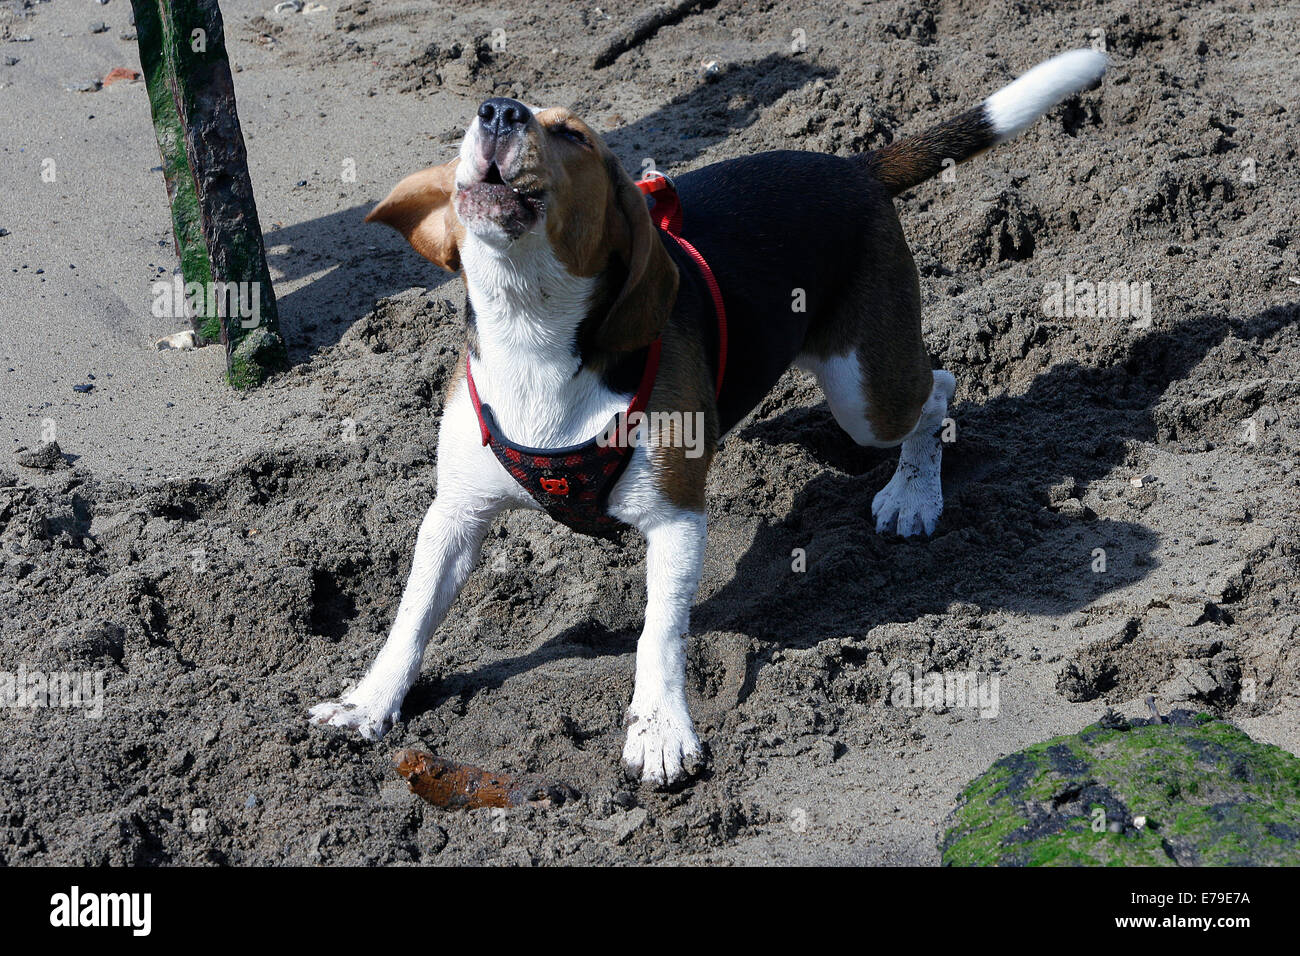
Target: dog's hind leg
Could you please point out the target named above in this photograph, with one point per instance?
(886, 415)
(913, 499)
(870, 359)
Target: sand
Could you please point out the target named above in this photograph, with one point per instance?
(225, 561)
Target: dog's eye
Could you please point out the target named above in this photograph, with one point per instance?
(571, 134)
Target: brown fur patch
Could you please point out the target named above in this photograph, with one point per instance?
(420, 208)
(684, 384)
(595, 213)
(914, 159)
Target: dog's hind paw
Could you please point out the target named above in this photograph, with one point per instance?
(910, 504)
(370, 723)
(662, 749)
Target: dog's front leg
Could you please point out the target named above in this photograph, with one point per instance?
(662, 747)
(446, 549)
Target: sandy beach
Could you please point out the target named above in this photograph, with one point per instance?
(226, 560)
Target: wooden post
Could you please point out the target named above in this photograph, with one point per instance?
(214, 217)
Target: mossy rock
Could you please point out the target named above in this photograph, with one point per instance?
(1204, 793)
(258, 354)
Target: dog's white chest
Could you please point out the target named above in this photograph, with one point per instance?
(527, 312)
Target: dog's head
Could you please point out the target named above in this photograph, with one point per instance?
(525, 176)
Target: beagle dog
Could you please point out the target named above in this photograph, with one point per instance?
(581, 310)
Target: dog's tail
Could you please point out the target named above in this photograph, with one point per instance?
(909, 161)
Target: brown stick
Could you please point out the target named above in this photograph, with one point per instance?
(646, 26)
(457, 786)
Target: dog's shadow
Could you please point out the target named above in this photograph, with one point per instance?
(360, 262)
(999, 546)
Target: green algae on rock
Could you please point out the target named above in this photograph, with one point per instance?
(1183, 790)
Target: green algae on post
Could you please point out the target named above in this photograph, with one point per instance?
(205, 165)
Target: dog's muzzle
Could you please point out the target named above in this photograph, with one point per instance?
(498, 136)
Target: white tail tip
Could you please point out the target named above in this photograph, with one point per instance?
(1015, 106)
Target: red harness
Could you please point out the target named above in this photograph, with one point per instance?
(572, 484)
(666, 211)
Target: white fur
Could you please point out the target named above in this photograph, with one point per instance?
(527, 309)
(840, 377)
(1018, 104)
(472, 489)
(661, 742)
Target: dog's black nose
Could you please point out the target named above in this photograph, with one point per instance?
(501, 115)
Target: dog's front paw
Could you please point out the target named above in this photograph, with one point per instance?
(910, 504)
(662, 748)
(369, 721)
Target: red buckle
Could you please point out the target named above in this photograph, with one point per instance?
(666, 212)
(555, 486)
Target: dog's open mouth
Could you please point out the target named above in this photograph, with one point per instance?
(512, 209)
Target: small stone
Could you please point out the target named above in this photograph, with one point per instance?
(431, 839)
(1071, 508)
(48, 457)
(11, 61)
(1236, 512)
(1192, 681)
(1190, 613)
(181, 341)
(826, 752)
(1141, 481)
(99, 27)
(1139, 822)
(629, 823)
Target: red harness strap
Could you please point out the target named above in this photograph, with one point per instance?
(667, 215)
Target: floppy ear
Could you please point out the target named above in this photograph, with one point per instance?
(641, 309)
(420, 208)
